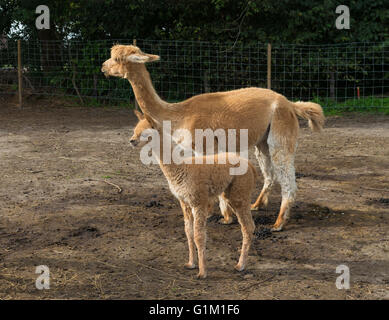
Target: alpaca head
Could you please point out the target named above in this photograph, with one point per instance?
(124, 60)
(143, 124)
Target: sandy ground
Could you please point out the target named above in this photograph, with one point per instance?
(56, 210)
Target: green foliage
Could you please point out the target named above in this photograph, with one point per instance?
(248, 21)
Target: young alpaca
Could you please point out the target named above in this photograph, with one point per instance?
(196, 186)
(270, 118)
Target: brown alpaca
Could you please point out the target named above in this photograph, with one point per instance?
(196, 186)
(270, 118)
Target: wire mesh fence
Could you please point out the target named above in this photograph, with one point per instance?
(349, 75)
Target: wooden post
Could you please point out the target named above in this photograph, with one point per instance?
(136, 102)
(20, 81)
(269, 65)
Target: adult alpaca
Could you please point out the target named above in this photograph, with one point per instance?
(270, 118)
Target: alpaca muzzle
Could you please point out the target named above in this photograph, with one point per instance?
(133, 142)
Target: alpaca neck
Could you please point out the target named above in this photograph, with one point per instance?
(170, 170)
(147, 97)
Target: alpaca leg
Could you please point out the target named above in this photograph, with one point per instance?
(225, 210)
(245, 219)
(238, 195)
(264, 160)
(188, 219)
(200, 238)
(283, 215)
(283, 163)
(247, 227)
(282, 142)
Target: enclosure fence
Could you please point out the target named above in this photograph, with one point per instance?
(342, 76)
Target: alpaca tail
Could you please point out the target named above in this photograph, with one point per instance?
(312, 112)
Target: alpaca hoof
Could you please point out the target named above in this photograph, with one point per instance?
(276, 228)
(226, 221)
(254, 208)
(201, 275)
(239, 267)
(189, 266)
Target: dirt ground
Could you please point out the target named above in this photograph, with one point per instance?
(56, 210)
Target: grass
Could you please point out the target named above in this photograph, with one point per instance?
(372, 104)
(96, 103)
(362, 105)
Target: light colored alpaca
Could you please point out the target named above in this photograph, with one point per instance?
(270, 118)
(197, 185)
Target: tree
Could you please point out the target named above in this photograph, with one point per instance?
(291, 21)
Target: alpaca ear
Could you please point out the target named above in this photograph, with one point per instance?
(142, 58)
(150, 120)
(152, 57)
(137, 58)
(139, 115)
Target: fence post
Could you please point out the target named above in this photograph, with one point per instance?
(269, 65)
(20, 82)
(135, 102)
